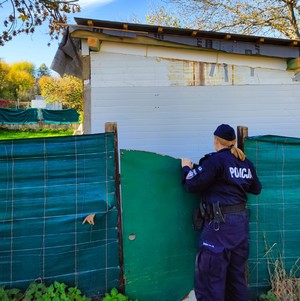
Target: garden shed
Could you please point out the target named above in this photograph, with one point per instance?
(168, 88)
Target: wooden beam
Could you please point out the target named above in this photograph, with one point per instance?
(90, 23)
(94, 43)
(111, 127)
(82, 34)
(293, 64)
(242, 133)
(294, 43)
(160, 30)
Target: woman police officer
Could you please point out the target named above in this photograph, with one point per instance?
(222, 179)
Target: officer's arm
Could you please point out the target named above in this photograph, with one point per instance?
(200, 178)
(256, 186)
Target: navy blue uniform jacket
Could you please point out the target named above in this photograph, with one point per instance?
(221, 177)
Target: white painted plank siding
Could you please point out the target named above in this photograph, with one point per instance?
(179, 121)
(159, 107)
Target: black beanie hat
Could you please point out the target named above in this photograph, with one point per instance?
(225, 131)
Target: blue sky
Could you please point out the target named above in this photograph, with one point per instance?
(34, 49)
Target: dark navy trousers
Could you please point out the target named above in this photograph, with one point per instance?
(222, 258)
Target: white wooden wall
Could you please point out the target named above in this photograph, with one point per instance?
(170, 101)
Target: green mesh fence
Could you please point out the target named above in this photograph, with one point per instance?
(47, 187)
(159, 244)
(274, 228)
(60, 116)
(20, 116)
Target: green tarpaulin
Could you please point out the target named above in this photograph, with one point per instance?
(159, 243)
(47, 187)
(274, 228)
(18, 116)
(60, 116)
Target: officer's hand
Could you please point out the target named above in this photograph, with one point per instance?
(186, 162)
(89, 219)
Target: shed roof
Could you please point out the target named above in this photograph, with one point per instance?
(95, 31)
(185, 38)
(104, 24)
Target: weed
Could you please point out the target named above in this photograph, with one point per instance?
(12, 294)
(285, 286)
(115, 296)
(38, 291)
(268, 297)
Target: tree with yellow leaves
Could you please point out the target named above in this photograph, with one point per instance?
(17, 81)
(67, 89)
(4, 89)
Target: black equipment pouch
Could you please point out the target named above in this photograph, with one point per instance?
(199, 217)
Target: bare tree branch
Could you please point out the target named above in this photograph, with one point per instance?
(27, 14)
(279, 18)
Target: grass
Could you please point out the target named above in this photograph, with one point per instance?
(17, 134)
(285, 285)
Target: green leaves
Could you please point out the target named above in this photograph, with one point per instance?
(35, 291)
(12, 294)
(40, 292)
(268, 297)
(115, 296)
(67, 89)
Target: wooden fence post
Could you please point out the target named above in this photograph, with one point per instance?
(242, 133)
(111, 127)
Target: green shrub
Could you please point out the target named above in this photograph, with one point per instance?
(12, 294)
(268, 297)
(115, 296)
(40, 292)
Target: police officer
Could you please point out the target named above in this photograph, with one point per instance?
(222, 179)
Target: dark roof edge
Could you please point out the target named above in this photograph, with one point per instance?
(183, 31)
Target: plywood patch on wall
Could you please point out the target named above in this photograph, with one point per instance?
(192, 73)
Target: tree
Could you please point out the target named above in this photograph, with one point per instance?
(278, 18)
(4, 68)
(162, 17)
(23, 66)
(32, 13)
(43, 70)
(20, 85)
(68, 90)
(16, 81)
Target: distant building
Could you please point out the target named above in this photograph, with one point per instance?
(40, 103)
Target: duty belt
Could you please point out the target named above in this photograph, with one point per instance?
(214, 213)
(219, 211)
(227, 209)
